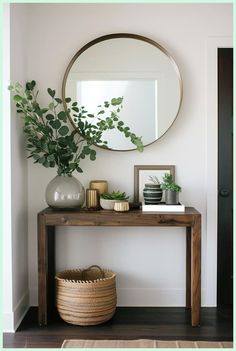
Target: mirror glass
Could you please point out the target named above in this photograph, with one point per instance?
(135, 68)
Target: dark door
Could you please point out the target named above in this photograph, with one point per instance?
(225, 178)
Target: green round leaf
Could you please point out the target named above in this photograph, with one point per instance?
(117, 101)
(36, 157)
(51, 92)
(42, 160)
(86, 150)
(92, 155)
(46, 164)
(51, 157)
(51, 106)
(17, 98)
(62, 116)
(78, 169)
(49, 117)
(63, 130)
(55, 124)
(75, 109)
(28, 86)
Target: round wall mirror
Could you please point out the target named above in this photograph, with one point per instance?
(135, 68)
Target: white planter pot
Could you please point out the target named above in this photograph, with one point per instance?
(107, 204)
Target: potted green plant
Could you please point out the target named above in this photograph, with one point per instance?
(171, 190)
(108, 200)
(52, 142)
(152, 193)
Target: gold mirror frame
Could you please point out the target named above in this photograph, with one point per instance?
(115, 36)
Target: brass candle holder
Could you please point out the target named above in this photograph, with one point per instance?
(92, 198)
(100, 185)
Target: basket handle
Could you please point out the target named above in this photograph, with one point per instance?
(91, 267)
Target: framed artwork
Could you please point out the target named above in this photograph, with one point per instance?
(142, 174)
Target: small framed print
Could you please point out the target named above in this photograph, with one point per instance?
(142, 174)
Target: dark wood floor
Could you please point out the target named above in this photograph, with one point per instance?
(163, 323)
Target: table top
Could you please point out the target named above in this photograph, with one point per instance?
(50, 210)
(86, 217)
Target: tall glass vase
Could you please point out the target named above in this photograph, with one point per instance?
(65, 191)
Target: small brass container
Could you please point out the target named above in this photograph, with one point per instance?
(100, 185)
(91, 198)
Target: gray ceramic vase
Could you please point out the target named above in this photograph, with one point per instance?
(152, 194)
(172, 197)
(65, 191)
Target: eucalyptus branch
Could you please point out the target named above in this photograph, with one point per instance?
(50, 141)
(55, 114)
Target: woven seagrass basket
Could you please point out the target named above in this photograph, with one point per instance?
(86, 297)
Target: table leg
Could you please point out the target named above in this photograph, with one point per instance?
(188, 267)
(196, 271)
(51, 270)
(42, 270)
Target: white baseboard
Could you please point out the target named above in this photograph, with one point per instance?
(8, 323)
(12, 320)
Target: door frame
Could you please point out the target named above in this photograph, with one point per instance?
(211, 167)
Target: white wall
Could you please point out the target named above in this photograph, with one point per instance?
(16, 299)
(150, 263)
(8, 319)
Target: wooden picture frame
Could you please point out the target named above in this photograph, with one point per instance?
(142, 173)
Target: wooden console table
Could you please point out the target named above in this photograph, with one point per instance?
(48, 219)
